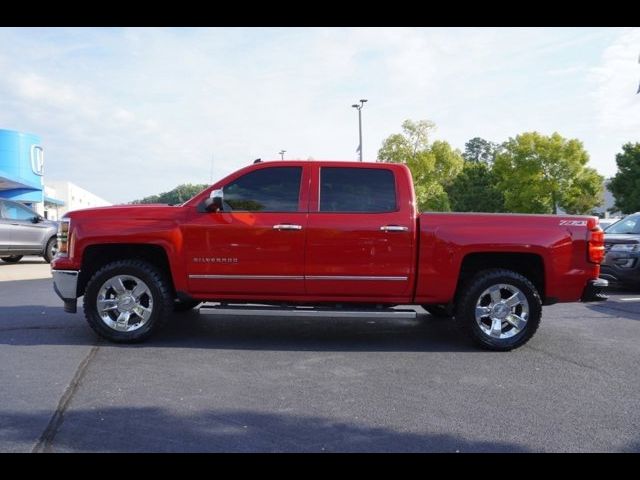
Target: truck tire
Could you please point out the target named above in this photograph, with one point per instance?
(50, 250)
(499, 309)
(126, 301)
(185, 306)
(11, 259)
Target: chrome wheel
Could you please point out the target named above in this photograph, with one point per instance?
(502, 311)
(124, 303)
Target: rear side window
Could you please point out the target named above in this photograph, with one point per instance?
(13, 211)
(370, 190)
(274, 189)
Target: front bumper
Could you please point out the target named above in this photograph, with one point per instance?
(65, 284)
(594, 291)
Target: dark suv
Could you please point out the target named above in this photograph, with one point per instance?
(24, 232)
(622, 246)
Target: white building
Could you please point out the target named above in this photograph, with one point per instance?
(61, 197)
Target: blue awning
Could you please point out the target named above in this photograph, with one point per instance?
(54, 201)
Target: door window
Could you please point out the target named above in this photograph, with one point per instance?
(371, 190)
(275, 189)
(13, 211)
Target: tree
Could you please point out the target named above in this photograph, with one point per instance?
(625, 185)
(475, 189)
(180, 194)
(480, 150)
(539, 174)
(433, 165)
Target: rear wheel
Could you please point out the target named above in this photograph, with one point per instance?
(12, 259)
(128, 300)
(51, 249)
(499, 309)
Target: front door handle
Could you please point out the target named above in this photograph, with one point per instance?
(394, 228)
(287, 226)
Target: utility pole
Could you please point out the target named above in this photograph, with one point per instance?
(359, 107)
(281, 153)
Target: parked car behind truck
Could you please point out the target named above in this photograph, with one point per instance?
(622, 246)
(25, 232)
(329, 234)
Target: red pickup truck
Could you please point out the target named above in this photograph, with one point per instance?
(323, 234)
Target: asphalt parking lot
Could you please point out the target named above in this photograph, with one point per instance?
(211, 383)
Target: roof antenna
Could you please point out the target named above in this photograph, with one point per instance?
(257, 160)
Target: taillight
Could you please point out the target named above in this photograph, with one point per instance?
(596, 245)
(63, 237)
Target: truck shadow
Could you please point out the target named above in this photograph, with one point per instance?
(616, 308)
(313, 334)
(46, 325)
(152, 429)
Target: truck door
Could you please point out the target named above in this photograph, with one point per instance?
(255, 247)
(360, 238)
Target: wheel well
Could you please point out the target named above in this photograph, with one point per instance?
(529, 265)
(96, 256)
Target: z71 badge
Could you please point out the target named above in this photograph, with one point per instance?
(573, 223)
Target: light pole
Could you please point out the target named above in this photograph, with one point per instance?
(359, 107)
(281, 153)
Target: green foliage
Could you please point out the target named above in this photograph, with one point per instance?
(480, 150)
(178, 195)
(539, 173)
(625, 185)
(475, 189)
(585, 193)
(433, 165)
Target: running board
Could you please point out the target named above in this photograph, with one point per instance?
(275, 311)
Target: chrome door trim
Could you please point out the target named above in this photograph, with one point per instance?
(247, 277)
(298, 277)
(356, 278)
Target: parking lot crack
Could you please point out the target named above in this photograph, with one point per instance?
(45, 442)
(35, 327)
(566, 359)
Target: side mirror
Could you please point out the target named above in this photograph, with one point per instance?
(36, 219)
(214, 202)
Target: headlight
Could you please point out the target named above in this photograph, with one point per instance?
(625, 247)
(63, 237)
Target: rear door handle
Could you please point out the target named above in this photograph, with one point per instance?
(394, 228)
(287, 226)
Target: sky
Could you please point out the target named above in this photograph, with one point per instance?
(130, 112)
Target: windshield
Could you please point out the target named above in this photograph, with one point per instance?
(630, 225)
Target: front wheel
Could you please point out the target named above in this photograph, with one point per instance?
(499, 309)
(127, 300)
(12, 259)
